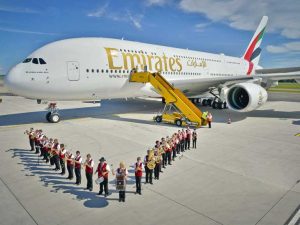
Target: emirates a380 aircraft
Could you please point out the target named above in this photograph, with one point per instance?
(99, 68)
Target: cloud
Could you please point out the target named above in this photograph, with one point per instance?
(136, 21)
(25, 31)
(200, 26)
(157, 2)
(18, 10)
(245, 15)
(291, 47)
(100, 12)
(127, 16)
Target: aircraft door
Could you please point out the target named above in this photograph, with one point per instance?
(73, 71)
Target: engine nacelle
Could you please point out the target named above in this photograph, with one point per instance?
(245, 97)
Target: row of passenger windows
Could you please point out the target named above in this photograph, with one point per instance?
(137, 51)
(190, 57)
(222, 74)
(128, 71)
(35, 61)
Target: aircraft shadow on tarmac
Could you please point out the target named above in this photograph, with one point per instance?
(110, 109)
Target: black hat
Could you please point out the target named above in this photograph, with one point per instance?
(102, 159)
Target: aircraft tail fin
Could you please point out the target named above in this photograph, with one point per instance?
(252, 53)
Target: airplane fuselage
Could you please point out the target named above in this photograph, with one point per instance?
(99, 68)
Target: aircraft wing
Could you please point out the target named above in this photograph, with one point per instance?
(278, 74)
(196, 86)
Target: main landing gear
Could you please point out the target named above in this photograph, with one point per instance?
(52, 116)
(215, 102)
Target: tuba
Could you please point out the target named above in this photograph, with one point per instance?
(151, 160)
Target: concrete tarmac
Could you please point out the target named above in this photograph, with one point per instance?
(246, 172)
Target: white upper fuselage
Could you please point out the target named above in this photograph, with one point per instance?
(99, 68)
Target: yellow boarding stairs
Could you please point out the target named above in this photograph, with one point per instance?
(186, 113)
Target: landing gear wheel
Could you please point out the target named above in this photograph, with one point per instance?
(204, 102)
(158, 119)
(209, 102)
(48, 116)
(215, 105)
(178, 122)
(54, 118)
(221, 105)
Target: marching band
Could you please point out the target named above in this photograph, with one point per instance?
(158, 157)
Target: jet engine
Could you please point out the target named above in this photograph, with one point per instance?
(245, 97)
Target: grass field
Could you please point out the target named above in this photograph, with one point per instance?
(286, 87)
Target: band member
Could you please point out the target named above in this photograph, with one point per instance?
(181, 139)
(89, 164)
(173, 147)
(138, 171)
(168, 148)
(209, 119)
(157, 163)
(184, 139)
(148, 171)
(164, 154)
(78, 161)
(177, 143)
(121, 177)
(158, 146)
(70, 165)
(44, 147)
(62, 154)
(103, 170)
(188, 137)
(31, 134)
(194, 138)
(37, 141)
(49, 151)
(55, 152)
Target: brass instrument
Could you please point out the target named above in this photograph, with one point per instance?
(151, 160)
(84, 164)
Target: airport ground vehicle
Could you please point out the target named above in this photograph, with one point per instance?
(178, 109)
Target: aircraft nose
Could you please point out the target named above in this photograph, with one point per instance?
(12, 79)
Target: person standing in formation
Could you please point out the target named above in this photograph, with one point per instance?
(55, 152)
(188, 137)
(78, 161)
(121, 177)
(194, 138)
(31, 134)
(138, 172)
(157, 168)
(103, 170)
(149, 172)
(89, 167)
(62, 154)
(70, 165)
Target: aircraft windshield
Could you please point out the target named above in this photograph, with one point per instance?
(27, 60)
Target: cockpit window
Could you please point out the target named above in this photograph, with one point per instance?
(27, 60)
(42, 61)
(35, 61)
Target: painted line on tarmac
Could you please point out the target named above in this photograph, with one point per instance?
(294, 218)
(185, 206)
(13, 194)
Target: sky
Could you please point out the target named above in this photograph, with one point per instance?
(217, 26)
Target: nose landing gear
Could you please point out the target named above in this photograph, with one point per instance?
(52, 116)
